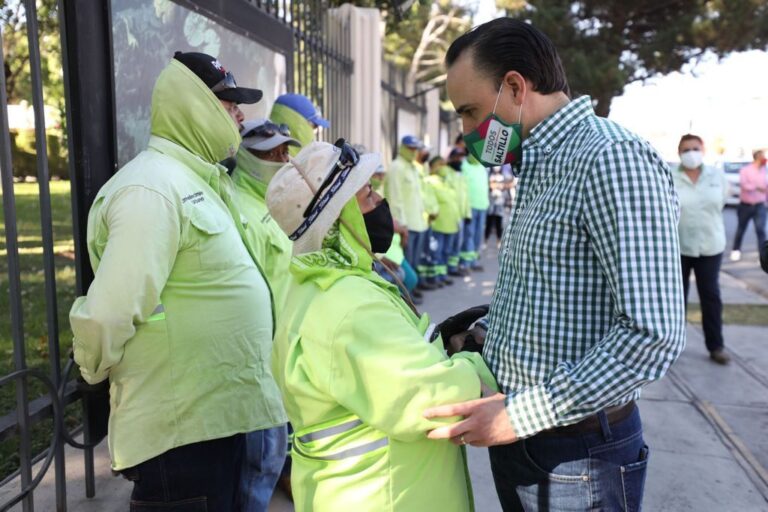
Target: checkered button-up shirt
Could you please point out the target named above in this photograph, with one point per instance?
(588, 306)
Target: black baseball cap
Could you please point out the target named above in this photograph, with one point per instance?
(219, 80)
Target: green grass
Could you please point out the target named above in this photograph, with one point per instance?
(739, 314)
(34, 302)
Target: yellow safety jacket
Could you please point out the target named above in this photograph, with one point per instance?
(357, 374)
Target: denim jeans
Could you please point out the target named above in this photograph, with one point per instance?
(757, 214)
(265, 452)
(415, 247)
(600, 471)
(198, 477)
(473, 237)
(440, 254)
(707, 272)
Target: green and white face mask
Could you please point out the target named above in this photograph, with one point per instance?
(495, 142)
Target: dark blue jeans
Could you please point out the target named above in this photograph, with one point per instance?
(757, 214)
(415, 248)
(264, 459)
(198, 477)
(707, 272)
(600, 471)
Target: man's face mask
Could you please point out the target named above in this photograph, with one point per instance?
(380, 227)
(495, 142)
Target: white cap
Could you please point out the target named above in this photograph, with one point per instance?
(262, 143)
(291, 190)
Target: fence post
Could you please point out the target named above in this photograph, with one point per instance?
(86, 41)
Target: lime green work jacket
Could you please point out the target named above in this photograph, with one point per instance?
(459, 184)
(431, 205)
(357, 375)
(300, 128)
(477, 184)
(448, 216)
(402, 188)
(179, 315)
(272, 246)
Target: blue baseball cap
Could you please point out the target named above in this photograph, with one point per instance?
(303, 106)
(411, 141)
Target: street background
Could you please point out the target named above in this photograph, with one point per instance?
(705, 424)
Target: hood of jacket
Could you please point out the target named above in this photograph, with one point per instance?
(186, 112)
(300, 128)
(341, 254)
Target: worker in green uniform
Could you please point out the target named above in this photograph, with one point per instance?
(446, 223)
(179, 316)
(263, 151)
(350, 355)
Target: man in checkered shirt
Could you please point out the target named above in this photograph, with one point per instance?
(588, 306)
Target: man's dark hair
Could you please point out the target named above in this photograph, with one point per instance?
(687, 137)
(507, 44)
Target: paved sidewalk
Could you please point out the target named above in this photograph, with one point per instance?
(706, 424)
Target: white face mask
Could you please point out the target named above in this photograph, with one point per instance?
(692, 159)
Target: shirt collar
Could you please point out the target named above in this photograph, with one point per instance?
(210, 173)
(555, 128)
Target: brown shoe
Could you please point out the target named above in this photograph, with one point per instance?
(719, 356)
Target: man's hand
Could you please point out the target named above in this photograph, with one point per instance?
(485, 422)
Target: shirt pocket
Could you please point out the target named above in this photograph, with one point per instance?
(216, 243)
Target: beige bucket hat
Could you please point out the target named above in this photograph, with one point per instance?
(307, 194)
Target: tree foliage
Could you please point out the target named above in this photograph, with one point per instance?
(419, 42)
(18, 82)
(606, 44)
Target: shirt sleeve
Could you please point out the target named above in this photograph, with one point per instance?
(143, 234)
(393, 190)
(388, 375)
(630, 213)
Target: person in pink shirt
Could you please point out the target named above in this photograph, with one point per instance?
(753, 180)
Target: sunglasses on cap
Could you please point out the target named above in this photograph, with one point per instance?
(348, 158)
(228, 82)
(268, 129)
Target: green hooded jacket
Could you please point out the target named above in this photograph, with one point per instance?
(477, 183)
(179, 315)
(300, 128)
(402, 188)
(448, 214)
(272, 246)
(357, 374)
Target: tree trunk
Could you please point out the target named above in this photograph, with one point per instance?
(603, 107)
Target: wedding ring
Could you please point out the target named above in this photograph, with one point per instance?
(461, 438)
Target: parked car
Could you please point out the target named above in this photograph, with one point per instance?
(731, 170)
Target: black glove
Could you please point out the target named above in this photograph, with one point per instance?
(467, 222)
(460, 322)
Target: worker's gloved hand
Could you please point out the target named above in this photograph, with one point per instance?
(460, 324)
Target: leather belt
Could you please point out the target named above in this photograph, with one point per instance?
(591, 424)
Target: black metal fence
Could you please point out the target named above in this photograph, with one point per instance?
(43, 407)
(321, 67)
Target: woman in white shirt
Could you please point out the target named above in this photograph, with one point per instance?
(702, 191)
